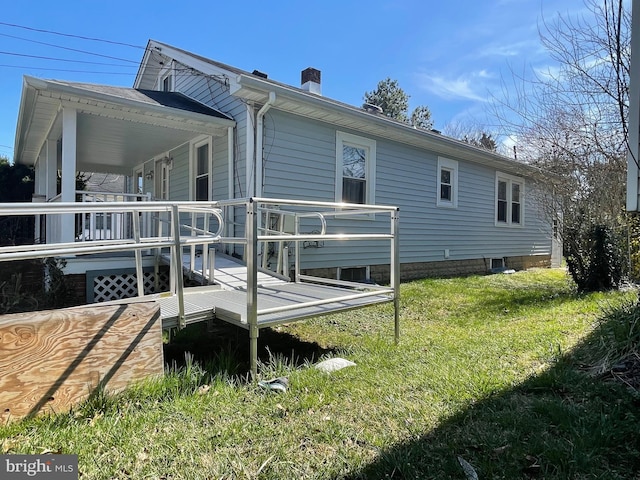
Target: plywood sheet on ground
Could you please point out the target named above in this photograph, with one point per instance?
(51, 360)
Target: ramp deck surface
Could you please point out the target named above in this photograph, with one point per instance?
(227, 299)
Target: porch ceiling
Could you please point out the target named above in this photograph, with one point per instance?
(117, 128)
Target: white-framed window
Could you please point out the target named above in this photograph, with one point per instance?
(165, 79)
(447, 183)
(355, 168)
(509, 200)
(201, 157)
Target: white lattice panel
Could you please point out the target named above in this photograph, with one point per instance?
(125, 285)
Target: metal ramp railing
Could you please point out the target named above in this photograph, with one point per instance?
(185, 228)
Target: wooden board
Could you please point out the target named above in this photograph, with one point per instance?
(51, 360)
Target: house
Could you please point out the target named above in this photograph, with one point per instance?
(193, 129)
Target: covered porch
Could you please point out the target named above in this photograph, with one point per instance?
(66, 128)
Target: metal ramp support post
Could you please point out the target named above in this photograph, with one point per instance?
(395, 271)
(252, 283)
(296, 253)
(138, 254)
(176, 259)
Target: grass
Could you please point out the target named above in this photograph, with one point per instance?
(498, 370)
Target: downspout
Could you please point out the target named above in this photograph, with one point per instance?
(230, 212)
(259, 141)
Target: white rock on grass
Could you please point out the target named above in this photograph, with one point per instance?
(334, 364)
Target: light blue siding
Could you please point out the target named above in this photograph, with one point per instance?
(300, 163)
(179, 174)
(220, 170)
(213, 91)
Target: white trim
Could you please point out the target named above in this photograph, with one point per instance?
(83, 264)
(68, 171)
(452, 166)
(510, 180)
(194, 144)
(51, 164)
(633, 153)
(369, 145)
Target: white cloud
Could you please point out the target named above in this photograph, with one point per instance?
(464, 87)
(548, 72)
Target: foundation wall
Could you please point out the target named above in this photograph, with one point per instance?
(447, 268)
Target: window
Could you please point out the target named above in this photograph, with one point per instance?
(355, 168)
(165, 79)
(497, 263)
(447, 183)
(509, 200)
(354, 274)
(161, 177)
(166, 83)
(201, 168)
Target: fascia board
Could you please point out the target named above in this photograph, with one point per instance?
(143, 65)
(27, 103)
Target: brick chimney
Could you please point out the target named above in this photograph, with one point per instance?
(311, 81)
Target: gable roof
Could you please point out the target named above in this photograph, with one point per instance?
(255, 88)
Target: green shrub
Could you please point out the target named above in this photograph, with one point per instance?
(595, 257)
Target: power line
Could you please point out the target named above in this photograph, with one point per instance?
(64, 59)
(71, 35)
(65, 70)
(182, 72)
(69, 48)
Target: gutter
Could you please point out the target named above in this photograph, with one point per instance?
(259, 156)
(382, 126)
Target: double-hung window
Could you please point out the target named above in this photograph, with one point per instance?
(355, 168)
(509, 200)
(201, 168)
(447, 183)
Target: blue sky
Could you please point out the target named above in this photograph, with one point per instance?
(452, 56)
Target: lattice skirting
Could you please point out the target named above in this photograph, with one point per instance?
(116, 286)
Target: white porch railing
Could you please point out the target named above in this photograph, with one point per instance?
(100, 225)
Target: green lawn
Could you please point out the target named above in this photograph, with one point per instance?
(494, 369)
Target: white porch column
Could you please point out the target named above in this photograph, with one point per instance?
(50, 167)
(39, 189)
(68, 184)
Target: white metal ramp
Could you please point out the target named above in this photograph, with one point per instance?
(281, 301)
(243, 293)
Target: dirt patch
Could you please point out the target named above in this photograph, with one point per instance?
(227, 345)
